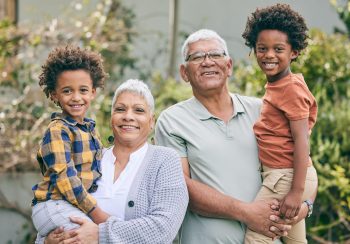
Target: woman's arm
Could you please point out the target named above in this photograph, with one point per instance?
(165, 212)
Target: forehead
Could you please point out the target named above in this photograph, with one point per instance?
(130, 98)
(74, 76)
(275, 36)
(204, 46)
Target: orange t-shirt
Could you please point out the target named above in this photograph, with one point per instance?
(285, 100)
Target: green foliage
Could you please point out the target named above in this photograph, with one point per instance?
(24, 111)
(101, 113)
(248, 79)
(167, 92)
(343, 9)
(330, 147)
(325, 65)
(326, 70)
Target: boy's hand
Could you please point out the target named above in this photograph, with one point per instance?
(290, 205)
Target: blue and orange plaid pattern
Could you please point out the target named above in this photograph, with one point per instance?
(69, 158)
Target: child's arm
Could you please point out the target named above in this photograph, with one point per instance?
(290, 204)
(58, 159)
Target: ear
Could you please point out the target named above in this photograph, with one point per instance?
(152, 122)
(183, 73)
(229, 66)
(93, 92)
(53, 96)
(252, 50)
(294, 54)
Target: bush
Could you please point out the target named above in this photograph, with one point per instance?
(24, 110)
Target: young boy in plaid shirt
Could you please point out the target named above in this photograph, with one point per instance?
(70, 152)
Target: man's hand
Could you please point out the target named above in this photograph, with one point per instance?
(260, 217)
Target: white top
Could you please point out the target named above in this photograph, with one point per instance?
(111, 196)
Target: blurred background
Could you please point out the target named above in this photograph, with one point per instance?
(142, 39)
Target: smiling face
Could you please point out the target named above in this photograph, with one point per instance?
(132, 120)
(209, 75)
(274, 54)
(74, 92)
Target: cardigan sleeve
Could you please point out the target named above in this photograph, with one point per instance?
(163, 214)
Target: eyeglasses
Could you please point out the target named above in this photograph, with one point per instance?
(199, 57)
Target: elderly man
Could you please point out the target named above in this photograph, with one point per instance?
(212, 132)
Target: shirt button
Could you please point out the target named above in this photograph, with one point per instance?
(131, 204)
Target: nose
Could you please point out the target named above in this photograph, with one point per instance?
(207, 60)
(128, 115)
(270, 53)
(76, 96)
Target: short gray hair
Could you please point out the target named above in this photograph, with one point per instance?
(202, 34)
(138, 87)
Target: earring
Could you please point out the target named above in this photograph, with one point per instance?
(110, 139)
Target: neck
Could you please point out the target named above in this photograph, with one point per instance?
(218, 104)
(122, 152)
(279, 76)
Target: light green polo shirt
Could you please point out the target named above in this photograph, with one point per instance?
(223, 156)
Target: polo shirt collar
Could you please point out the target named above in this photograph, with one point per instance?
(203, 114)
(238, 107)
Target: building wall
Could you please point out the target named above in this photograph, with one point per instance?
(227, 17)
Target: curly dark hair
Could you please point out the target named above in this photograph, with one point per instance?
(71, 57)
(277, 17)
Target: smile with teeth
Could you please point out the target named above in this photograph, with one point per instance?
(269, 65)
(128, 127)
(76, 105)
(209, 73)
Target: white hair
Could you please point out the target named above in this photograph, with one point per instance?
(138, 87)
(202, 34)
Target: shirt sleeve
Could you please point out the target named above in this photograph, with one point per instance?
(165, 212)
(166, 135)
(295, 102)
(57, 157)
(39, 239)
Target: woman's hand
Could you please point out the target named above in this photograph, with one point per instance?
(86, 233)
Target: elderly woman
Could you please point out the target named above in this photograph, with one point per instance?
(142, 185)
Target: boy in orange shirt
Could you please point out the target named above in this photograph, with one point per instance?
(278, 35)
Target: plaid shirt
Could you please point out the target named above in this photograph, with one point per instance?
(69, 158)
